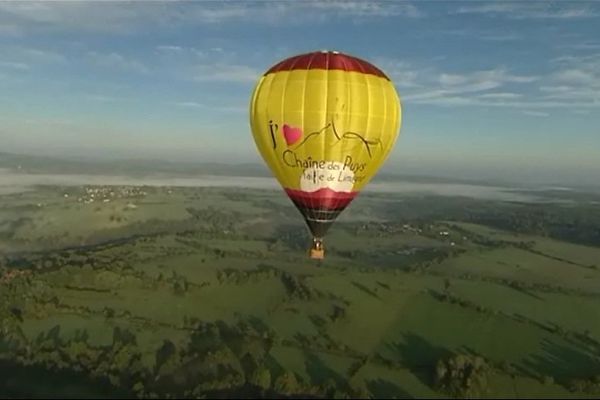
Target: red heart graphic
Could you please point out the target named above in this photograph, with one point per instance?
(291, 134)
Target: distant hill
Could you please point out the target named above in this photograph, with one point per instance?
(35, 164)
(134, 167)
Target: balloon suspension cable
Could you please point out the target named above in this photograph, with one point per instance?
(317, 251)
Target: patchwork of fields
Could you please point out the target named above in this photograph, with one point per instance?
(191, 292)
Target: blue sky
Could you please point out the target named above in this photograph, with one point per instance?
(505, 90)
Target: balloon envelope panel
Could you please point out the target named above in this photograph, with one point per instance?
(324, 127)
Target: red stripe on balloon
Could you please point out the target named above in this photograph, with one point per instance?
(322, 199)
(328, 61)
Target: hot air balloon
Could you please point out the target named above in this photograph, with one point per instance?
(324, 122)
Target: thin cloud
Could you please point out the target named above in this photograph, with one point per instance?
(441, 98)
(587, 46)
(565, 87)
(193, 53)
(104, 98)
(209, 64)
(532, 103)
(571, 92)
(581, 46)
(115, 60)
(24, 55)
(191, 104)
(225, 73)
(501, 95)
(481, 80)
(501, 37)
(452, 79)
(104, 17)
(536, 113)
(14, 65)
(43, 55)
(54, 122)
(123, 18)
(402, 73)
(591, 60)
(10, 29)
(169, 48)
(369, 9)
(452, 88)
(579, 76)
(531, 10)
(210, 107)
(480, 34)
(576, 78)
(225, 12)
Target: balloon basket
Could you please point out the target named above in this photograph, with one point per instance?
(317, 252)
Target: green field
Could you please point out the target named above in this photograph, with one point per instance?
(209, 292)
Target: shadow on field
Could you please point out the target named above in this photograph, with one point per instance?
(257, 324)
(272, 365)
(383, 389)
(549, 327)
(319, 372)
(524, 292)
(563, 362)
(365, 289)
(38, 382)
(419, 356)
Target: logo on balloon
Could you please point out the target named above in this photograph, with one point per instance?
(331, 130)
(331, 175)
(291, 134)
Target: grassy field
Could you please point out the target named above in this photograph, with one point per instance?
(525, 266)
(582, 255)
(371, 316)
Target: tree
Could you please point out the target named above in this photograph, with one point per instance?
(547, 380)
(359, 391)
(166, 358)
(447, 284)
(261, 377)
(109, 312)
(286, 383)
(329, 388)
(462, 375)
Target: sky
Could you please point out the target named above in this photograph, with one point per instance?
(489, 90)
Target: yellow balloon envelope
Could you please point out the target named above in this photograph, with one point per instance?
(324, 123)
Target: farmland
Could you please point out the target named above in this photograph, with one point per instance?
(173, 291)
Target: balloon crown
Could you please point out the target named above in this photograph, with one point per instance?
(329, 60)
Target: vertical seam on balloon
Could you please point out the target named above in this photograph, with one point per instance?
(398, 113)
(303, 126)
(325, 200)
(396, 126)
(282, 112)
(310, 199)
(384, 122)
(287, 78)
(284, 87)
(367, 114)
(397, 117)
(307, 201)
(348, 81)
(277, 164)
(258, 89)
(337, 201)
(253, 109)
